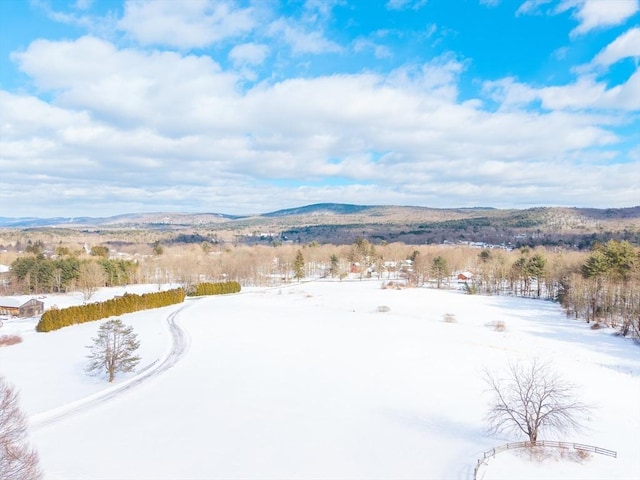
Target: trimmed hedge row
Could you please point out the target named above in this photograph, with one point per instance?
(207, 288)
(55, 319)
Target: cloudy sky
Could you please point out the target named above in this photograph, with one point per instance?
(249, 106)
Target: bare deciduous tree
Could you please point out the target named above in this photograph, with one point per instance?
(531, 398)
(91, 278)
(18, 461)
(113, 349)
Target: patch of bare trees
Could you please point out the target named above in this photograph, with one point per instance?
(18, 461)
(606, 289)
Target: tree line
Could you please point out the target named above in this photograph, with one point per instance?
(601, 286)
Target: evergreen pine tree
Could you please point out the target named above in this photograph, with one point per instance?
(113, 349)
(298, 266)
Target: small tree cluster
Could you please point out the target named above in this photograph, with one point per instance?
(118, 271)
(222, 288)
(607, 289)
(440, 270)
(526, 269)
(362, 252)
(99, 251)
(55, 319)
(37, 273)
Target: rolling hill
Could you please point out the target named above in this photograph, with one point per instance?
(342, 223)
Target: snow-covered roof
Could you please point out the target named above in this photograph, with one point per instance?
(13, 302)
(10, 302)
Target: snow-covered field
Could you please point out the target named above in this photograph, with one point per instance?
(314, 381)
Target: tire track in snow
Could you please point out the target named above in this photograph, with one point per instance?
(180, 343)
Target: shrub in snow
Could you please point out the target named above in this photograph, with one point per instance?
(449, 318)
(6, 340)
(392, 284)
(383, 309)
(470, 289)
(583, 455)
(497, 325)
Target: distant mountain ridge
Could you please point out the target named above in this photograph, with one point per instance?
(341, 224)
(320, 213)
(321, 208)
(118, 220)
(182, 218)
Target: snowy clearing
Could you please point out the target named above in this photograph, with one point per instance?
(320, 380)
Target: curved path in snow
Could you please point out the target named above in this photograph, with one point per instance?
(180, 343)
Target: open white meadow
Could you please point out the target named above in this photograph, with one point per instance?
(314, 381)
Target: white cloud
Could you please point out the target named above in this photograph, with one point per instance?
(301, 40)
(625, 96)
(625, 46)
(439, 77)
(249, 54)
(586, 93)
(364, 44)
(78, 16)
(594, 14)
(127, 128)
(322, 8)
(128, 86)
(83, 4)
(531, 6)
(591, 14)
(195, 23)
(405, 4)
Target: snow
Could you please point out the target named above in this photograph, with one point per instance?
(314, 381)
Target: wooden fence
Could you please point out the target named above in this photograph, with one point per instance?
(542, 443)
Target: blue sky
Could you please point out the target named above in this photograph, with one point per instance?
(110, 107)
